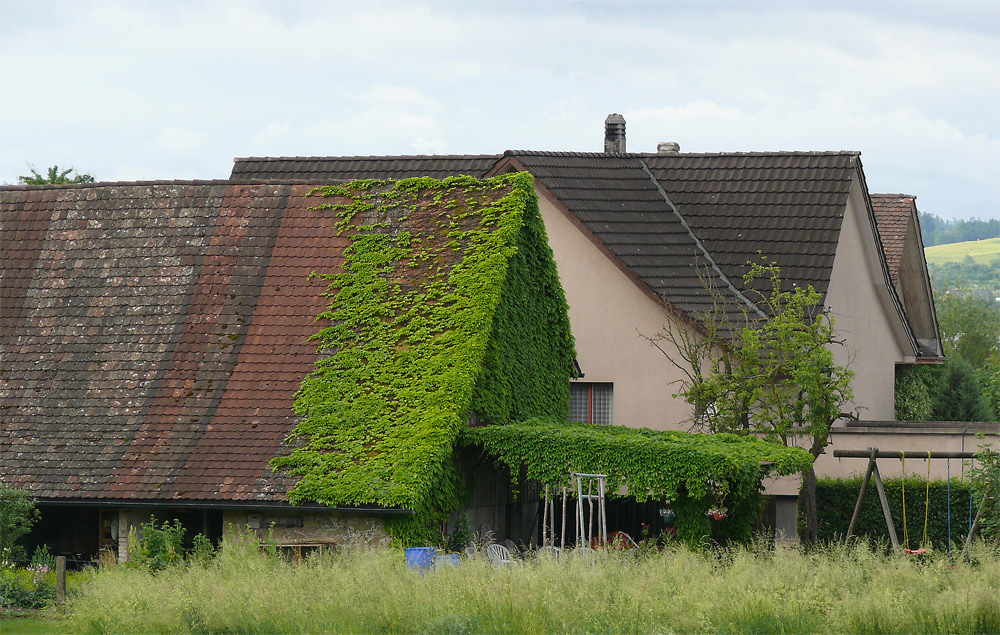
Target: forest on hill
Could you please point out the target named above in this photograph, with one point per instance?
(939, 231)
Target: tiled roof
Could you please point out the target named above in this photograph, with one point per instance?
(332, 169)
(621, 204)
(154, 335)
(788, 207)
(892, 216)
(660, 214)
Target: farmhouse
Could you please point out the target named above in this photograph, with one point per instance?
(155, 337)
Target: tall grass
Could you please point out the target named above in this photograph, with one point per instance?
(742, 590)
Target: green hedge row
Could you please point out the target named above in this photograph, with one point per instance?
(835, 500)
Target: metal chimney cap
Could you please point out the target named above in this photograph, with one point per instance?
(668, 147)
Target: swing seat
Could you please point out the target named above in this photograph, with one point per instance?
(915, 552)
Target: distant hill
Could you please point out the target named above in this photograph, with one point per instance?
(981, 251)
(938, 231)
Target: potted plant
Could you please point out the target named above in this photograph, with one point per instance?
(717, 512)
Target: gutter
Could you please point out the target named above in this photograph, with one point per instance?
(211, 504)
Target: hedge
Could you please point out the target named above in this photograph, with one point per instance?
(835, 500)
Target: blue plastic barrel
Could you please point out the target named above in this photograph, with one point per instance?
(420, 558)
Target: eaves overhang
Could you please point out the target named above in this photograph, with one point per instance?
(128, 503)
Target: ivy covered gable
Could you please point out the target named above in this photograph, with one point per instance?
(448, 303)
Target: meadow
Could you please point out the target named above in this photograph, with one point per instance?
(981, 251)
(677, 590)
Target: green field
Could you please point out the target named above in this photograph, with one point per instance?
(982, 251)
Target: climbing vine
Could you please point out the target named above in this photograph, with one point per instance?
(692, 472)
(448, 304)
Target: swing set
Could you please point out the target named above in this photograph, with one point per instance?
(873, 454)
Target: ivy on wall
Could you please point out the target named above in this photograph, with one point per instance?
(692, 472)
(448, 303)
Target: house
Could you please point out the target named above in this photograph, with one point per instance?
(155, 336)
(898, 223)
(634, 234)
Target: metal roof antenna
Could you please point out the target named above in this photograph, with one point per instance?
(614, 134)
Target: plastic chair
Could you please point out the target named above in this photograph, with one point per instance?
(498, 554)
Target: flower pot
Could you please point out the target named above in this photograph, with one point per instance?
(718, 515)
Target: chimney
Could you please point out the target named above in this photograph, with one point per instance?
(668, 147)
(614, 134)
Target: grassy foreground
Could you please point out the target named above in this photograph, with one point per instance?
(982, 251)
(676, 591)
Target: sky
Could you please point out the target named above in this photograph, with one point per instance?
(175, 90)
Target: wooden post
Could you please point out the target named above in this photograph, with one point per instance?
(590, 521)
(861, 496)
(545, 519)
(60, 579)
(975, 524)
(552, 519)
(885, 509)
(604, 516)
(562, 536)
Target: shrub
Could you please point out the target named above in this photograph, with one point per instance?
(32, 588)
(17, 515)
(835, 500)
(914, 391)
(156, 547)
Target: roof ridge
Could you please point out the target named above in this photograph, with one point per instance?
(643, 155)
(372, 157)
(887, 195)
(69, 186)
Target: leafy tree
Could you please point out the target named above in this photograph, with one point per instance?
(17, 515)
(774, 377)
(964, 275)
(989, 382)
(914, 392)
(54, 176)
(970, 326)
(959, 398)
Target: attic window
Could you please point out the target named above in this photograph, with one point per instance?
(591, 402)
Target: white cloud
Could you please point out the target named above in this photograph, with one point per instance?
(172, 89)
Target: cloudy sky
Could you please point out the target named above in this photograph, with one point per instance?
(176, 90)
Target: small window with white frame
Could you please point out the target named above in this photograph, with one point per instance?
(591, 402)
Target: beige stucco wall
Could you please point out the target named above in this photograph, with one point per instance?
(607, 313)
(914, 440)
(864, 316)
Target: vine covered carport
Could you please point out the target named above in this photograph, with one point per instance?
(690, 472)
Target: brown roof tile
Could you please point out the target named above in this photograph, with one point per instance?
(130, 308)
(893, 213)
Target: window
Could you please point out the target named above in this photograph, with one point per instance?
(591, 402)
